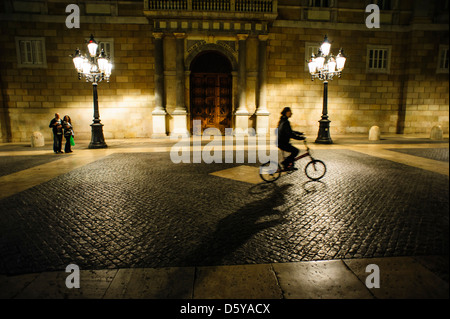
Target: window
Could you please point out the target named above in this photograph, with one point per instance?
(319, 10)
(378, 59)
(443, 59)
(31, 52)
(108, 47)
(384, 4)
(319, 3)
(310, 49)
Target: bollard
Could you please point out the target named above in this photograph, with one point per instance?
(37, 139)
(374, 133)
(436, 133)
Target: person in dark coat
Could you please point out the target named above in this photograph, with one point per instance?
(285, 133)
(68, 133)
(56, 126)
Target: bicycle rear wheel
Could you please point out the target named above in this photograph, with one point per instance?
(315, 170)
(269, 173)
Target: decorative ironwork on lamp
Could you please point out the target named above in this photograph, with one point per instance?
(94, 68)
(324, 66)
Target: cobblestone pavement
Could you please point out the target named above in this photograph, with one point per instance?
(438, 154)
(12, 164)
(141, 210)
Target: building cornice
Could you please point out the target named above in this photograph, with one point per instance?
(25, 17)
(359, 27)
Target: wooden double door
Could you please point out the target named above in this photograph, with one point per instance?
(211, 98)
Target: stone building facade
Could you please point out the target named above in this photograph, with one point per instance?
(225, 63)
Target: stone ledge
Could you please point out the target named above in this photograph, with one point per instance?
(401, 277)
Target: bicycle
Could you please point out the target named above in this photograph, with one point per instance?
(314, 170)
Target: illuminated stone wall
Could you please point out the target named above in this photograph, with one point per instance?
(411, 98)
(426, 92)
(356, 101)
(33, 95)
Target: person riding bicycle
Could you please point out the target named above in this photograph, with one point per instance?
(285, 133)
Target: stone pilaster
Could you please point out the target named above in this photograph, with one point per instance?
(242, 114)
(159, 112)
(180, 115)
(262, 114)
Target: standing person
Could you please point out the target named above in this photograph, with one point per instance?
(56, 125)
(285, 133)
(68, 133)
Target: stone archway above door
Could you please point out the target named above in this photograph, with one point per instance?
(227, 48)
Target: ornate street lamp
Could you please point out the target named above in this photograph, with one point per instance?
(325, 66)
(94, 68)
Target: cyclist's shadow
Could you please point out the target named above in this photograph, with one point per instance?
(311, 187)
(237, 228)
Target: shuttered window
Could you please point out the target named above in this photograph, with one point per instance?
(443, 60)
(31, 52)
(378, 59)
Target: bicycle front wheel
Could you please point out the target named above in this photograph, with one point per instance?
(315, 170)
(269, 173)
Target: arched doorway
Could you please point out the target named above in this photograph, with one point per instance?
(211, 91)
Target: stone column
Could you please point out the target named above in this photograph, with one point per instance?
(180, 114)
(262, 114)
(241, 114)
(159, 113)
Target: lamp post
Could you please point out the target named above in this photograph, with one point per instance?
(325, 66)
(95, 68)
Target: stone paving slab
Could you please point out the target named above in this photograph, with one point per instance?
(51, 285)
(147, 283)
(11, 286)
(320, 280)
(401, 278)
(237, 282)
(439, 265)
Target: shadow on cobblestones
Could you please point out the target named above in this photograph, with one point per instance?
(134, 210)
(237, 228)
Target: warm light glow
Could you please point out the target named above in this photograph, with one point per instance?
(325, 47)
(331, 65)
(94, 68)
(92, 46)
(312, 65)
(78, 62)
(108, 68)
(86, 66)
(102, 62)
(340, 61)
(320, 60)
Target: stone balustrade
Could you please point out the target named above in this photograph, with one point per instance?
(263, 6)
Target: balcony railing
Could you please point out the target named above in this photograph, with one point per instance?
(263, 6)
